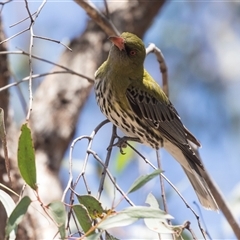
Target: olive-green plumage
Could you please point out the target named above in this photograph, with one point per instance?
(130, 98)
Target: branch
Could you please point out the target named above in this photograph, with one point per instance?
(98, 17)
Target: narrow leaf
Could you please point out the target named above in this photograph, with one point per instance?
(9, 205)
(143, 180)
(26, 157)
(118, 220)
(57, 211)
(93, 206)
(17, 215)
(156, 225)
(152, 201)
(146, 212)
(82, 217)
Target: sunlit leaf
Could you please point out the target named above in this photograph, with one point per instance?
(157, 225)
(146, 212)
(26, 157)
(130, 215)
(58, 212)
(93, 206)
(17, 215)
(117, 220)
(8, 205)
(152, 201)
(142, 180)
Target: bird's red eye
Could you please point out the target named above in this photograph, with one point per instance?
(133, 52)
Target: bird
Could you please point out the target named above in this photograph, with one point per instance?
(135, 103)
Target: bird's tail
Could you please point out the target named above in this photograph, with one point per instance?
(193, 167)
(202, 190)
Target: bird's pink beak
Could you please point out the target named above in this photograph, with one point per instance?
(118, 42)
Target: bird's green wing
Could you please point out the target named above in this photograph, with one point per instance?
(159, 113)
(162, 116)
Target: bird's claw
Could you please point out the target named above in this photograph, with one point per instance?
(122, 143)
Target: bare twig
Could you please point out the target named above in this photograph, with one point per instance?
(109, 152)
(98, 17)
(162, 183)
(26, 18)
(69, 71)
(30, 62)
(112, 178)
(50, 62)
(186, 225)
(53, 40)
(106, 9)
(163, 66)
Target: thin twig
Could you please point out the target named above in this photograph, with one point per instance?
(35, 76)
(15, 35)
(162, 183)
(53, 40)
(109, 152)
(98, 17)
(186, 225)
(106, 9)
(112, 178)
(26, 18)
(163, 66)
(30, 63)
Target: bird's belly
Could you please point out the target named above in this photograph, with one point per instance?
(130, 124)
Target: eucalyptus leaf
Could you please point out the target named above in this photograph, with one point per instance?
(83, 217)
(93, 206)
(142, 180)
(58, 212)
(17, 215)
(26, 157)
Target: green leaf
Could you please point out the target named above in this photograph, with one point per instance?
(142, 180)
(122, 160)
(82, 217)
(94, 207)
(26, 157)
(118, 220)
(94, 236)
(146, 212)
(17, 215)
(7, 202)
(57, 211)
(130, 215)
(157, 225)
(152, 201)
(9, 205)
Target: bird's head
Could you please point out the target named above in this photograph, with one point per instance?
(127, 50)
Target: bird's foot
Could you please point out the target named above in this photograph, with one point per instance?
(122, 142)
